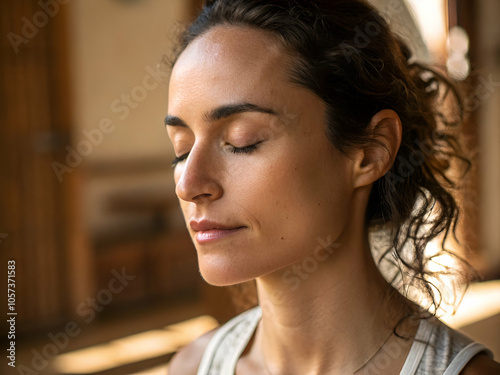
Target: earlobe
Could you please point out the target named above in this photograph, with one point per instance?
(374, 159)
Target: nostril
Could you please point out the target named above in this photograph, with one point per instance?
(197, 181)
(199, 191)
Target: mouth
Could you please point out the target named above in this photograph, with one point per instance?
(207, 231)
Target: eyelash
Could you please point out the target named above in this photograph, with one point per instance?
(179, 159)
(235, 150)
(245, 150)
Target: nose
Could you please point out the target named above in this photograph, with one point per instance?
(198, 181)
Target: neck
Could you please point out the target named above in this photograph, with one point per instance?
(327, 313)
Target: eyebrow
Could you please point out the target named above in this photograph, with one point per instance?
(222, 112)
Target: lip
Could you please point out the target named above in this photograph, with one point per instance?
(207, 231)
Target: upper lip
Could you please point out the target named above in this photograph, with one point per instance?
(202, 225)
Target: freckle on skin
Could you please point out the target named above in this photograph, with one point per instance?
(282, 238)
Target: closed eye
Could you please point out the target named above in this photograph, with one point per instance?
(235, 150)
(246, 149)
(179, 159)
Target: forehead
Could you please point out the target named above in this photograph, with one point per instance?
(229, 63)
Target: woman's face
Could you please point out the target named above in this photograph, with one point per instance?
(258, 181)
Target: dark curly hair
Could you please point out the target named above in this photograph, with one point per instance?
(356, 77)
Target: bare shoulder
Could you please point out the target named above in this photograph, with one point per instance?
(481, 364)
(187, 360)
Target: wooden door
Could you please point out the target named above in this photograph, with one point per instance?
(39, 225)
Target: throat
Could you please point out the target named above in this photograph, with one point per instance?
(330, 325)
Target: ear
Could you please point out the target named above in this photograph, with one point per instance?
(374, 160)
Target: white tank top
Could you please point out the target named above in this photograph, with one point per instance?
(437, 349)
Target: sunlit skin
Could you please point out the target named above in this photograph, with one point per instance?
(254, 158)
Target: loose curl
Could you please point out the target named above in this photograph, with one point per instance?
(357, 77)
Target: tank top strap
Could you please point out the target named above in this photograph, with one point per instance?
(464, 356)
(440, 350)
(228, 343)
(422, 337)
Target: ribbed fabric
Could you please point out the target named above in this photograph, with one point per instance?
(436, 350)
(226, 346)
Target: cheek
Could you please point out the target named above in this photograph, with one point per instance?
(315, 199)
(298, 197)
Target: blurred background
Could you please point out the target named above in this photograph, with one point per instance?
(106, 275)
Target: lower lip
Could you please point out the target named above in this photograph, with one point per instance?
(214, 234)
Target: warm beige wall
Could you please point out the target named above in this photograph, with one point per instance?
(113, 44)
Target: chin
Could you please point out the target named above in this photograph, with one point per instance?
(224, 273)
(218, 277)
